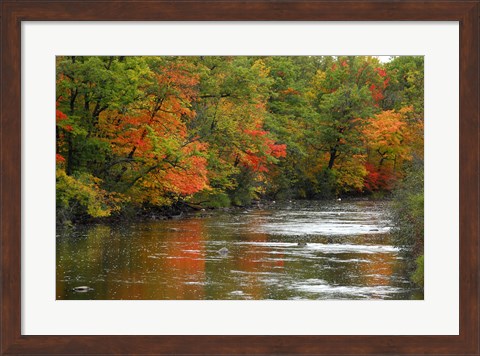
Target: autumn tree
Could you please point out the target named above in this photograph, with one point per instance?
(290, 117)
(156, 160)
(230, 117)
(389, 138)
(345, 94)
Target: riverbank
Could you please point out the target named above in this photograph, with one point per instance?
(182, 210)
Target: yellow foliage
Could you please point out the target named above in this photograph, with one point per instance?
(261, 67)
(84, 192)
(351, 173)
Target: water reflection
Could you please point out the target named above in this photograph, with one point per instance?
(348, 255)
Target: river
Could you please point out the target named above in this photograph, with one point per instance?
(291, 250)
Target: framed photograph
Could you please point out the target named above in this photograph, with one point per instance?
(240, 178)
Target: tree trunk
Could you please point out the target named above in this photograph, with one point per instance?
(333, 155)
(69, 167)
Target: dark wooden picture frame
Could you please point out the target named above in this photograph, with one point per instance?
(14, 12)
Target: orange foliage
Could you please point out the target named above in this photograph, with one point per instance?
(391, 139)
(157, 136)
(389, 133)
(191, 178)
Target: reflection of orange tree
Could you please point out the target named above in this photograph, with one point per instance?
(254, 258)
(132, 271)
(378, 270)
(185, 265)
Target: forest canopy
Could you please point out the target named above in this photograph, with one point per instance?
(137, 133)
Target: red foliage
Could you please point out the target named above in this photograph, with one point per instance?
(59, 158)
(377, 94)
(257, 160)
(60, 116)
(378, 179)
(278, 151)
(255, 133)
(381, 72)
(255, 163)
(377, 91)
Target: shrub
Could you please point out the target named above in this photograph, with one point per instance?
(408, 219)
(212, 199)
(417, 276)
(81, 196)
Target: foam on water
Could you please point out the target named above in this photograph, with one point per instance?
(356, 291)
(324, 219)
(322, 228)
(327, 248)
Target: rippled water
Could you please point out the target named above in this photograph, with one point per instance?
(294, 250)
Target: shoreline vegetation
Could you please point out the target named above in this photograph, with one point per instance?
(156, 137)
(183, 210)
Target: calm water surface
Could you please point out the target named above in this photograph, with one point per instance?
(348, 255)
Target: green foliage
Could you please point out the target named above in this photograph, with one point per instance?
(247, 190)
(212, 199)
(326, 187)
(408, 219)
(418, 275)
(290, 117)
(409, 209)
(88, 87)
(405, 87)
(344, 99)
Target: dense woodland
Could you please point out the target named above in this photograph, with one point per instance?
(145, 132)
